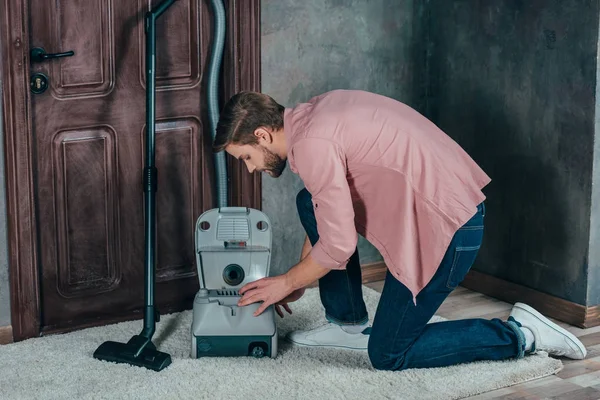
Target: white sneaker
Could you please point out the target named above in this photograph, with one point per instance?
(330, 335)
(549, 337)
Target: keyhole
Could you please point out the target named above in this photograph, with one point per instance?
(38, 83)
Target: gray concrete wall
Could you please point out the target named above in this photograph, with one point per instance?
(593, 294)
(310, 47)
(4, 294)
(514, 82)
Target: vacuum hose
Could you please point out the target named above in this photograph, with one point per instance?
(214, 67)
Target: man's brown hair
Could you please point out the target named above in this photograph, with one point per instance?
(242, 115)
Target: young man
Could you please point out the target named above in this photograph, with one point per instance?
(374, 166)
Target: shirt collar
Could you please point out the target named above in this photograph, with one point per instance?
(290, 132)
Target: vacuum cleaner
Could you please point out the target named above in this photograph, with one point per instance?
(139, 350)
(233, 247)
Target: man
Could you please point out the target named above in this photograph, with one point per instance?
(374, 166)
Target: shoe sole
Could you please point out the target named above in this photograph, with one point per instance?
(552, 325)
(324, 345)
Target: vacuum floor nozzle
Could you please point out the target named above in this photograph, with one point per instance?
(129, 353)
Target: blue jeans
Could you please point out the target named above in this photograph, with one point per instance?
(400, 337)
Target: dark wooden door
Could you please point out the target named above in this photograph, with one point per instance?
(89, 132)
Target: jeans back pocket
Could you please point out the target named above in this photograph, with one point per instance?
(465, 253)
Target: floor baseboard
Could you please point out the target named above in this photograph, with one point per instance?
(6, 334)
(551, 306)
(371, 272)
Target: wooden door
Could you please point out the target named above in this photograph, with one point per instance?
(75, 193)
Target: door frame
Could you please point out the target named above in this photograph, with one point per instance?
(241, 66)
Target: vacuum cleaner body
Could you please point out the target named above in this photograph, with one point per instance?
(233, 248)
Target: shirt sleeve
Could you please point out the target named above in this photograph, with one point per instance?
(321, 165)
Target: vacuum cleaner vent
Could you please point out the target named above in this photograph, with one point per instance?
(236, 229)
(228, 293)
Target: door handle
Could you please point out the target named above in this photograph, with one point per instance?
(38, 54)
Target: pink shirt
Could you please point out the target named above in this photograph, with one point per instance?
(377, 167)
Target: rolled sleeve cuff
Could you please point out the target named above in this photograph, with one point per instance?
(322, 258)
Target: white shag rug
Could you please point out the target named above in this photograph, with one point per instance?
(62, 367)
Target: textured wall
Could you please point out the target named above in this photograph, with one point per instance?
(4, 295)
(514, 82)
(594, 258)
(310, 47)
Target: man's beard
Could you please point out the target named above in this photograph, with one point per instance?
(274, 165)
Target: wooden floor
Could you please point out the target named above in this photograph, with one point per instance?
(579, 380)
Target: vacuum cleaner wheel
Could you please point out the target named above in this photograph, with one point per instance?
(258, 350)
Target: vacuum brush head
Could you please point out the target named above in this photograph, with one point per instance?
(127, 353)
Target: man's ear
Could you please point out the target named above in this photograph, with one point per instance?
(263, 135)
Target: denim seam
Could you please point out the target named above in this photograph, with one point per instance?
(339, 322)
(467, 248)
(393, 345)
(471, 228)
(454, 262)
(516, 327)
(349, 289)
(463, 352)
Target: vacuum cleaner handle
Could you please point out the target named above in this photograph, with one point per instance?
(139, 350)
(150, 173)
(161, 8)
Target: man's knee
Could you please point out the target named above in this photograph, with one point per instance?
(383, 361)
(303, 200)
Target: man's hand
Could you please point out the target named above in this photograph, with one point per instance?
(268, 290)
(295, 295)
(276, 289)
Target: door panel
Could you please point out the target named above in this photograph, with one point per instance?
(178, 45)
(179, 161)
(86, 28)
(85, 208)
(89, 130)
